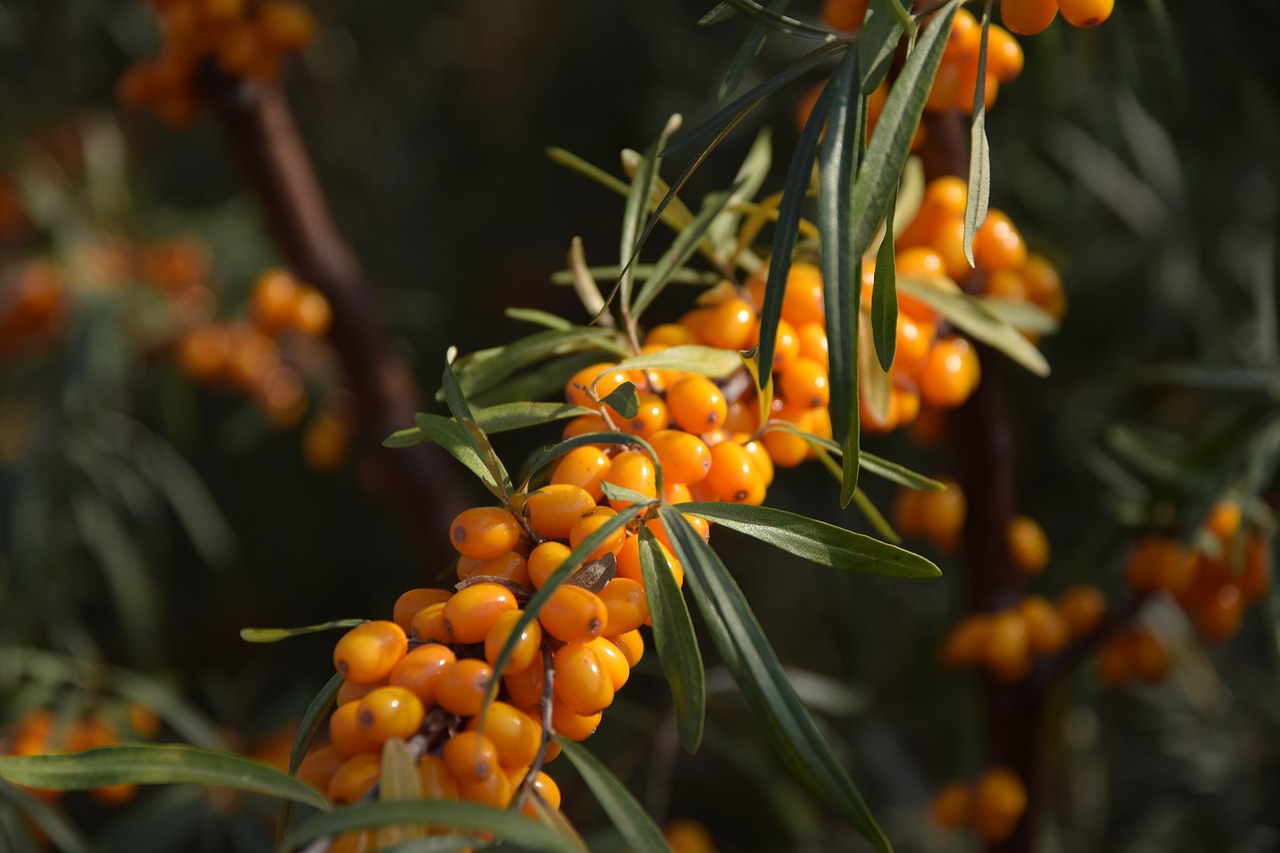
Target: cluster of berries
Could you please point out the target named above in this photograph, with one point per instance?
(430, 675)
(44, 730)
(1008, 643)
(1028, 17)
(248, 355)
(1212, 580)
(938, 516)
(957, 76)
(993, 804)
(244, 38)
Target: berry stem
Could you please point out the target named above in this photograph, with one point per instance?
(264, 139)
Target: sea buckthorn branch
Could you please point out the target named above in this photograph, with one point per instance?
(260, 130)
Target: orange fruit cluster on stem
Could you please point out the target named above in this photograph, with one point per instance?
(992, 804)
(1029, 17)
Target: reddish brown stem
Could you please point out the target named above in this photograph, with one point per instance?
(419, 482)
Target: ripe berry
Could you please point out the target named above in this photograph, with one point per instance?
(1086, 13)
(390, 712)
(428, 624)
(631, 644)
(1224, 519)
(1007, 651)
(1028, 17)
(593, 382)
(573, 726)
(1219, 617)
(461, 688)
(1082, 608)
(612, 659)
(584, 467)
(582, 683)
(684, 458)
(494, 790)
(318, 767)
(515, 735)
(471, 612)
(436, 781)
(470, 757)
(950, 374)
(544, 560)
(1046, 629)
(732, 477)
(368, 652)
(650, 417)
(546, 788)
(286, 24)
(999, 800)
(589, 523)
(696, 404)
(804, 383)
(844, 15)
(421, 668)
(345, 732)
(629, 562)
(526, 648)
(484, 532)
(357, 775)
(998, 245)
(632, 470)
(574, 614)
(965, 644)
(627, 604)
(1028, 546)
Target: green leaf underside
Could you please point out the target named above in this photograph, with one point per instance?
(675, 642)
(979, 191)
(880, 170)
(539, 317)
(627, 815)
(690, 358)
(275, 635)
(681, 250)
(840, 268)
(884, 295)
(975, 319)
(877, 42)
(479, 371)
(817, 541)
(152, 764)
(749, 50)
(508, 825)
(618, 493)
(782, 717)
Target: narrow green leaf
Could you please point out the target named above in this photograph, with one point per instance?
(479, 371)
(974, 318)
(398, 781)
(887, 152)
(60, 831)
(875, 385)
(623, 400)
(690, 358)
(1023, 316)
(884, 296)
(896, 473)
(877, 521)
(794, 190)
(779, 22)
(275, 635)
(152, 764)
(403, 438)
(721, 12)
(979, 194)
(584, 284)
(506, 417)
(456, 400)
(312, 719)
(749, 50)
(456, 439)
(618, 493)
(840, 268)
(818, 541)
(671, 217)
(877, 43)
(784, 720)
(627, 815)
(682, 248)
(508, 825)
(637, 207)
(676, 643)
(539, 318)
(537, 383)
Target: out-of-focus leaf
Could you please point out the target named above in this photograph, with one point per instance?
(747, 182)
(891, 142)
(312, 719)
(275, 635)
(779, 22)
(1214, 378)
(454, 438)
(163, 764)
(884, 295)
(539, 318)
(59, 830)
(676, 643)
(896, 473)
(507, 825)
(702, 278)
(480, 371)
(690, 358)
(719, 13)
(749, 50)
(398, 780)
(877, 42)
(685, 244)
(783, 718)
(818, 541)
(972, 317)
(634, 214)
(979, 194)
(460, 408)
(585, 285)
(627, 815)
(1023, 316)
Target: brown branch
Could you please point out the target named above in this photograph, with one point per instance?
(419, 482)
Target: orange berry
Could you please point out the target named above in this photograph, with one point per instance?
(355, 778)
(515, 735)
(759, 456)
(1044, 285)
(484, 532)
(1028, 17)
(583, 425)
(649, 418)
(629, 563)
(573, 726)
(1007, 651)
(1224, 519)
(696, 404)
(472, 611)
(786, 344)
(952, 805)
(287, 24)
(1004, 54)
(964, 38)
(634, 470)
(495, 790)
(612, 659)
(844, 15)
(1046, 629)
(631, 644)
(1219, 617)
(204, 353)
(239, 49)
(627, 604)
(942, 515)
(345, 733)
(728, 324)
(421, 668)
(368, 652)
(950, 374)
(813, 344)
(999, 799)
(684, 457)
(582, 683)
(669, 335)
(1082, 608)
(1086, 13)
(552, 510)
(389, 712)
(318, 767)
(594, 382)
(414, 600)
(589, 523)
(998, 245)
(733, 477)
(436, 781)
(1115, 661)
(965, 645)
(804, 384)
(786, 449)
(1255, 576)
(526, 687)
(1150, 657)
(1028, 545)
(470, 757)
(685, 835)
(352, 692)
(512, 566)
(461, 688)
(428, 624)
(584, 467)
(574, 614)
(545, 559)
(526, 649)
(914, 341)
(546, 788)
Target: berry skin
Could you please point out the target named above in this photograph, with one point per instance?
(844, 15)
(998, 245)
(421, 668)
(436, 781)
(1115, 661)
(544, 560)
(999, 799)
(494, 791)
(732, 476)
(1223, 520)
(546, 788)
(1028, 546)
(952, 805)
(525, 688)
(345, 732)
(612, 659)
(942, 515)
(582, 683)
(526, 649)
(574, 614)
(390, 712)
(428, 624)
(470, 757)
(1004, 55)
(357, 775)
(1086, 13)
(684, 457)
(632, 470)
(650, 417)
(804, 383)
(1150, 657)
(553, 509)
(573, 726)
(696, 404)
(631, 644)
(1082, 608)
(461, 688)
(470, 614)
(965, 644)
(584, 467)
(629, 564)
(514, 734)
(950, 374)
(590, 522)
(1255, 577)
(627, 604)
(580, 387)
(367, 653)
(1046, 629)
(786, 346)
(728, 324)
(1007, 651)
(1219, 617)
(414, 600)
(319, 766)
(1028, 17)
(352, 692)
(484, 532)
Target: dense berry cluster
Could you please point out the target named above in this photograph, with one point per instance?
(243, 38)
(992, 804)
(957, 77)
(428, 675)
(1227, 567)
(44, 730)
